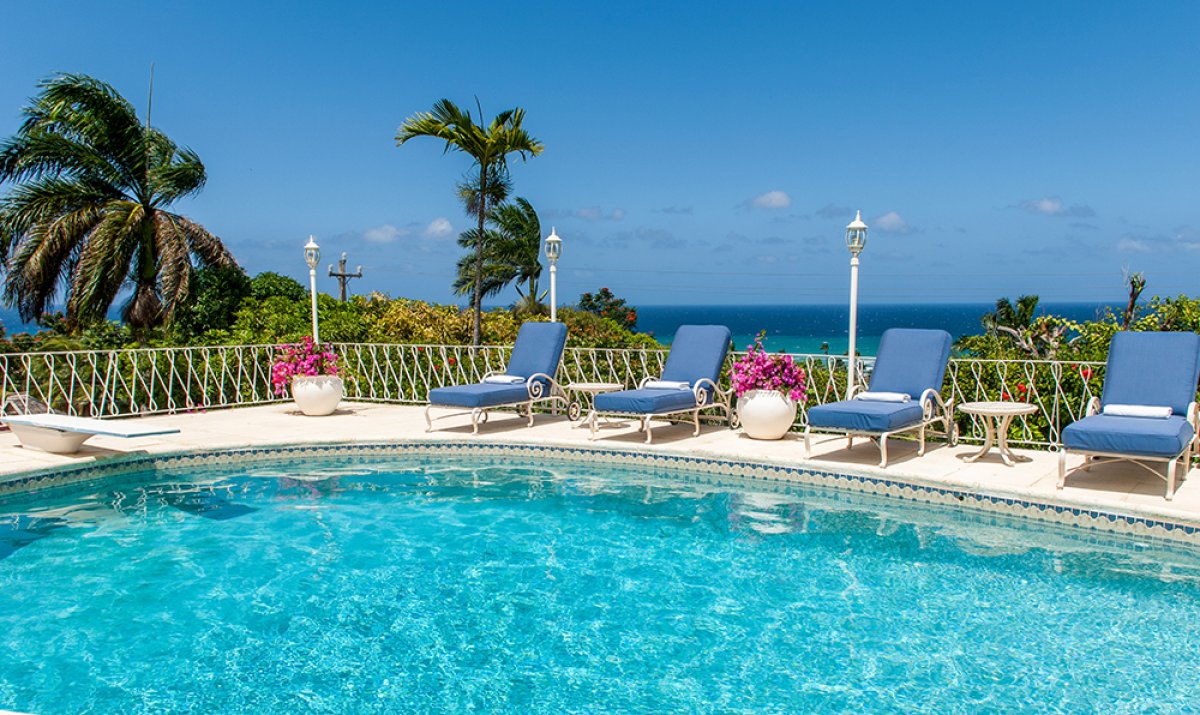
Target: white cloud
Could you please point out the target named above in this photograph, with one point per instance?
(440, 227)
(1054, 206)
(386, 233)
(775, 199)
(1133, 245)
(891, 222)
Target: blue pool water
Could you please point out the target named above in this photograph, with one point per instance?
(434, 585)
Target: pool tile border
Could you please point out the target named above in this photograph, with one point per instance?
(901, 489)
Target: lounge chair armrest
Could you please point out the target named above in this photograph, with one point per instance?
(644, 380)
(492, 373)
(1093, 407)
(536, 384)
(931, 399)
(704, 387)
(1193, 418)
(854, 390)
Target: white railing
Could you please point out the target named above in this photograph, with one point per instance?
(113, 383)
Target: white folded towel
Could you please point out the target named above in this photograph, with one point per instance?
(666, 385)
(884, 396)
(1152, 411)
(504, 380)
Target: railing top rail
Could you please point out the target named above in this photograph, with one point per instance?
(109, 351)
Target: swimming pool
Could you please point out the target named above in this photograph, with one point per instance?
(496, 584)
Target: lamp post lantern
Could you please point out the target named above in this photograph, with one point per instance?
(312, 256)
(856, 239)
(553, 251)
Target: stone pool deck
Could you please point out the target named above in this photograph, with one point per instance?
(1119, 488)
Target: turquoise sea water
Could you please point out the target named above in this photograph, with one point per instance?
(435, 585)
(825, 328)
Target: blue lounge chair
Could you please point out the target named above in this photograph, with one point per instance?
(528, 379)
(1147, 411)
(689, 382)
(904, 395)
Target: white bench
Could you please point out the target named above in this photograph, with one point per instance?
(64, 434)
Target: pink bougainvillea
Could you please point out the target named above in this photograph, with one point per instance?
(302, 358)
(760, 370)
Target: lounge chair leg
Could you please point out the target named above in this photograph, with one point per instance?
(428, 419)
(642, 424)
(530, 408)
(807, 442)
(475, 421)
(1171, 467)
(649, 432)
(883, 451)
(1062, 468)
(696, 423)
(921, 442)
(849, 442)
(592, 425)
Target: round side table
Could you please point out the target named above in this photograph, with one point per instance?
(576, 390)
(1002, 414)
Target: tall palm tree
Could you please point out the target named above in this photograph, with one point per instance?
(489, 147)
(86, 212)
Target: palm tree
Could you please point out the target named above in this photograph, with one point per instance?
(86, 212)
(512, 252)
(489, 147)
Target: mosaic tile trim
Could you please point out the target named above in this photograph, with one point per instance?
(911, 491)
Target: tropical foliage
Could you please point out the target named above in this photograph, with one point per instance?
(511, 252)
(86, 212)
(489, 147)
(607, 305)
(230, 309)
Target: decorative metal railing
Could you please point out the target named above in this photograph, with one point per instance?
(112, 383)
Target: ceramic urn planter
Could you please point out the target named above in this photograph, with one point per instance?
(766, 414)
(317, 395)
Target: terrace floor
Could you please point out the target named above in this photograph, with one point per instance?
(1121, 488)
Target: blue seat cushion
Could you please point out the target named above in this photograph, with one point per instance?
(865, 415)
(1134, 436)
(478, 395)
(645, 401)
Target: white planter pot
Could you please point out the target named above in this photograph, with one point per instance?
(766, 414)
(317, 395)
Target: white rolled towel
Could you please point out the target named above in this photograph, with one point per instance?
(1151, 411)
(504, 380)
(884, 396)
(666, 385)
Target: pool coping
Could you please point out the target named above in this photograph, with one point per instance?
(903, 488)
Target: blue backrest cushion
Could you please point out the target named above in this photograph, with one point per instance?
(911, 360)
(539, 348)
(1159, 369)
(697, 352)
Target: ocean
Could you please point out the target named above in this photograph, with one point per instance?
(810, 328)
(800, 328)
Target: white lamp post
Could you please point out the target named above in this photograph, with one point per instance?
(856, 239)
(312, 256)
(553, 251)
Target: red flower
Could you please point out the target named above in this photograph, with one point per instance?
(1086, 373)
(1021, 387)
(451, 361)
(1005, 396)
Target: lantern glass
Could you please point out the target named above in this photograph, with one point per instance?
(553, 246)
(312, 253)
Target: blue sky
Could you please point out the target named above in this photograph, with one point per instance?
(695, 153)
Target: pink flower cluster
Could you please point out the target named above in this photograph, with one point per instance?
(302, 358)
(760, 370)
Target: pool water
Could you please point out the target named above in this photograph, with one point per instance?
(435, 585)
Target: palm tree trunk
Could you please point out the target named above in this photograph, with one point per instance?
(477, 294)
